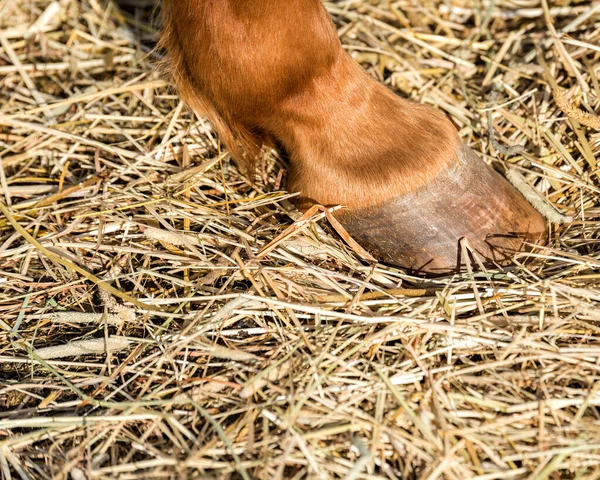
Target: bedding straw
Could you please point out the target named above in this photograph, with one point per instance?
(233, 337)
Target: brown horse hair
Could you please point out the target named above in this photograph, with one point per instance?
(274, 72)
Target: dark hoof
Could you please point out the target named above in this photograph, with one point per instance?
(422, 230)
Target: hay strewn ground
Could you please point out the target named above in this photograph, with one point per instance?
(203, 360)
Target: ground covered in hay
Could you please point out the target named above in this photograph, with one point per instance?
(143, 334)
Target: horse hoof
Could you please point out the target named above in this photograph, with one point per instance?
(422, 230)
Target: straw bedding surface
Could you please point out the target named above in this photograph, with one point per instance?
(143, 336)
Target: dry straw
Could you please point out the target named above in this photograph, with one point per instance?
(213, 332)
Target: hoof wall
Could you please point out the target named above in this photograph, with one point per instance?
(422, 230)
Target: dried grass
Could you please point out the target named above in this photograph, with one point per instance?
(305, 361)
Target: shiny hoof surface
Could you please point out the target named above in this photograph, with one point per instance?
(422, 231)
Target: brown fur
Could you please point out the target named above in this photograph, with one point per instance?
(274, 70)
